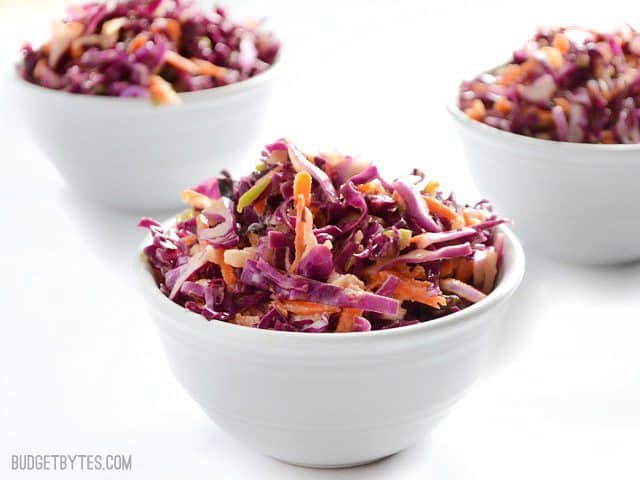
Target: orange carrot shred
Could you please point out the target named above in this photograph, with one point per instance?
(174, 30)
(416, 272)
(472, 217)
(39, 68)
(464, 270)
(161, 91)
(228, 274)
(509, 74)
(299, 235)
(440, 209)
(563, 103)
(301, 307)
(561, 42)
(446, 268)
(209, 69)
(302, 186)
(138, 42)
(503, 105)
(170, 26)
(545, 118)
(476, 111)
(371, 188)
(260, 205)
(181, 63)
(76, 50)
(304, 224)
(347, 319)
(607, 136)
(410, 289)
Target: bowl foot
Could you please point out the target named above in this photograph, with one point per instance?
(336, 466)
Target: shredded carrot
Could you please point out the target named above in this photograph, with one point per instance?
(170, 26)
(503, 105)
(607, 136)
(39, 68)
(398, 199)
(304, 238)
(400, 271)
(472, 217)
(209, 69)
(302, 186)
(347, 318)
(464, 270)
(553, 56)
(418, 272)
(76, 49)
(374, 187)
(530, 65)
(174, 30)
(299, 234)
(190, 240)
(404, 292)
(515, 73)
(228, 274)
(300, 307)
(46, 49)
(181, 63)
(446, 268)
(412, 290)
(246, 320)
(509, 74)
(476, 111)
(138, 42)
(561, 42)
(161, 91)
(440, 209)
(563, 103)
(260, 205)
(545, 118)
(417, 291)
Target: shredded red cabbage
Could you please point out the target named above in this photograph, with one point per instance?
(148, 48)
(565, 84)
(321, 244)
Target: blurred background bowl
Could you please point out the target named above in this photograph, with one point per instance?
(574, 202)
(334, 399)
(130, 154)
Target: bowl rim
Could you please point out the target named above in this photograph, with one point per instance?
(185, 319)
(528, 142)
(191, 99)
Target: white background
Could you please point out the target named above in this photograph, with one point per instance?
(81, 369)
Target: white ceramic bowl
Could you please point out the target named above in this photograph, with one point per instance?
(129, 154)
(335, 399)
(574, 202)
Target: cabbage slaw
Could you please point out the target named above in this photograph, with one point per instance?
(148, 48)
(566, 84)
(322, 243)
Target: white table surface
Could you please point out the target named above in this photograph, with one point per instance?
(81, 367)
